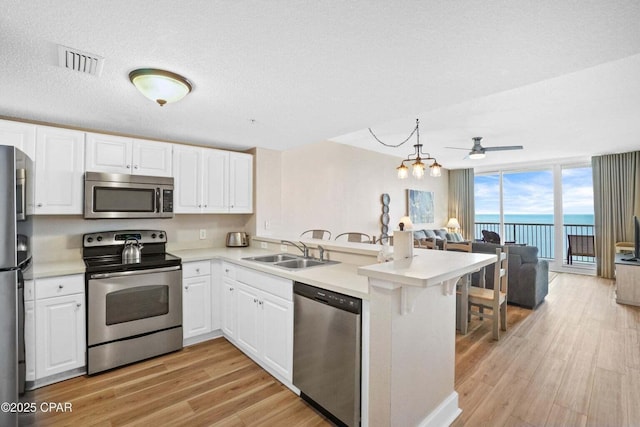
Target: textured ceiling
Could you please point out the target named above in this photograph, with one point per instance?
(559, 77)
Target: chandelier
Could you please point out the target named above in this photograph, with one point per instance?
(418, 167)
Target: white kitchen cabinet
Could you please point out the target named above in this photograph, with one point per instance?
(228, 296)
(59, 168)
(212, 181)
(60, 343)
(247, 315)
(240, 183)
(118, 154)
(20, 135)
(262, 306)
(276, 328)
(196, 299)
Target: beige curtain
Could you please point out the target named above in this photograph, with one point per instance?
(461, 200)
(616, 193)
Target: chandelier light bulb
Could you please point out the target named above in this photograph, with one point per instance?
(403, 171)
(418, 169)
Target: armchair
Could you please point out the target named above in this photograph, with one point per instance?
(528, 276)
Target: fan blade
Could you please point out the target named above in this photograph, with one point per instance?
(507, 147)
(458, 148)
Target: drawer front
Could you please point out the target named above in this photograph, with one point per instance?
(274, 285)
(59, 286)
(194, 269)
(229, 270)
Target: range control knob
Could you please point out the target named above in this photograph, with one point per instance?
(99, 238)
(161, 236)
(153, 235)
(89, 239)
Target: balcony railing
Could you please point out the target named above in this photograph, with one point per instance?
(539, 235)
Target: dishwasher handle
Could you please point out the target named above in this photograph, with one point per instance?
(330, 298)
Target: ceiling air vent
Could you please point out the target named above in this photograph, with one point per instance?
(84, 62)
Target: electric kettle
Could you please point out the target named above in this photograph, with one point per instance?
(131, 251)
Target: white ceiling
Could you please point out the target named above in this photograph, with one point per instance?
(561, 78)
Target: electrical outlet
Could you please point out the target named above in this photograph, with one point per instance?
(284, 248)
(264, 245)
(203, 234)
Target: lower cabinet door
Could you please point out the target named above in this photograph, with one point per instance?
(196, 306)
(228, 300)
(60, 334)
(277, 331)
(247, 334)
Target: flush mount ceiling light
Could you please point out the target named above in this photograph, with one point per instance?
(418, 167)
(160, 86)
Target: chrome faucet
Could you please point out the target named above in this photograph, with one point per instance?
(304, 249)
(321, 249)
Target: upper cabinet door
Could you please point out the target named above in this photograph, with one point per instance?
(187, 175)
(19, 135)
(215, 179)
(59, 171)
(240, 183)
(108, 153)
(152, 158)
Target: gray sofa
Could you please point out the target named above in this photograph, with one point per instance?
(528, 276)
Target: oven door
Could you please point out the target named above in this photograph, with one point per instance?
(125, 304)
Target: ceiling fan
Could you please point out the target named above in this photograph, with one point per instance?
(478, 151)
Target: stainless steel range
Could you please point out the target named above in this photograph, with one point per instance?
(134, 303)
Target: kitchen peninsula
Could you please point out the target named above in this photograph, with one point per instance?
(408, 365)
(408, 319)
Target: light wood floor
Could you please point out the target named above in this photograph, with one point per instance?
(575, 361)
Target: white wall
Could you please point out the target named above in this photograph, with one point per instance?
(338, 188)
(267, 186)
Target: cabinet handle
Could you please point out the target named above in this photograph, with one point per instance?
(199, 206)
(135, 167)
(226, 270)
(79, 304)
(230, 289)
(60, 286)
(197, 270)
(260, 303)
(39, 205)
(128, 166)
(205, 206)
(186, 288)
(255, 300)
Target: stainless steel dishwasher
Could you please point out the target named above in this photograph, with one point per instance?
(327, 351)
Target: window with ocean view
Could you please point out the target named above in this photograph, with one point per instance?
(521, 207)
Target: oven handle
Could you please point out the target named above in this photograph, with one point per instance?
(133, 272)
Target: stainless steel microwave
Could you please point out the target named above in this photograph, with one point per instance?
(112, 195)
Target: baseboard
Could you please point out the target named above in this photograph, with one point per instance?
(445, 414)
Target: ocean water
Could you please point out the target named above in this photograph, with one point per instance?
(577, 219)
(537, 230)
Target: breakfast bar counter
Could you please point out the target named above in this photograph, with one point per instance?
(411, 366)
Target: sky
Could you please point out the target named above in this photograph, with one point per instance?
(532, 192)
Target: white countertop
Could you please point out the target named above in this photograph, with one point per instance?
(341, 277)
(428, 268)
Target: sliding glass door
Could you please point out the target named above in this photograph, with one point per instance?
(537, 208)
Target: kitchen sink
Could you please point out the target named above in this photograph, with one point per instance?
(300, 263)
(290, 262)
(273, 258)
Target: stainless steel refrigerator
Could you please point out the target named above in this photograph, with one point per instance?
(15, 257)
